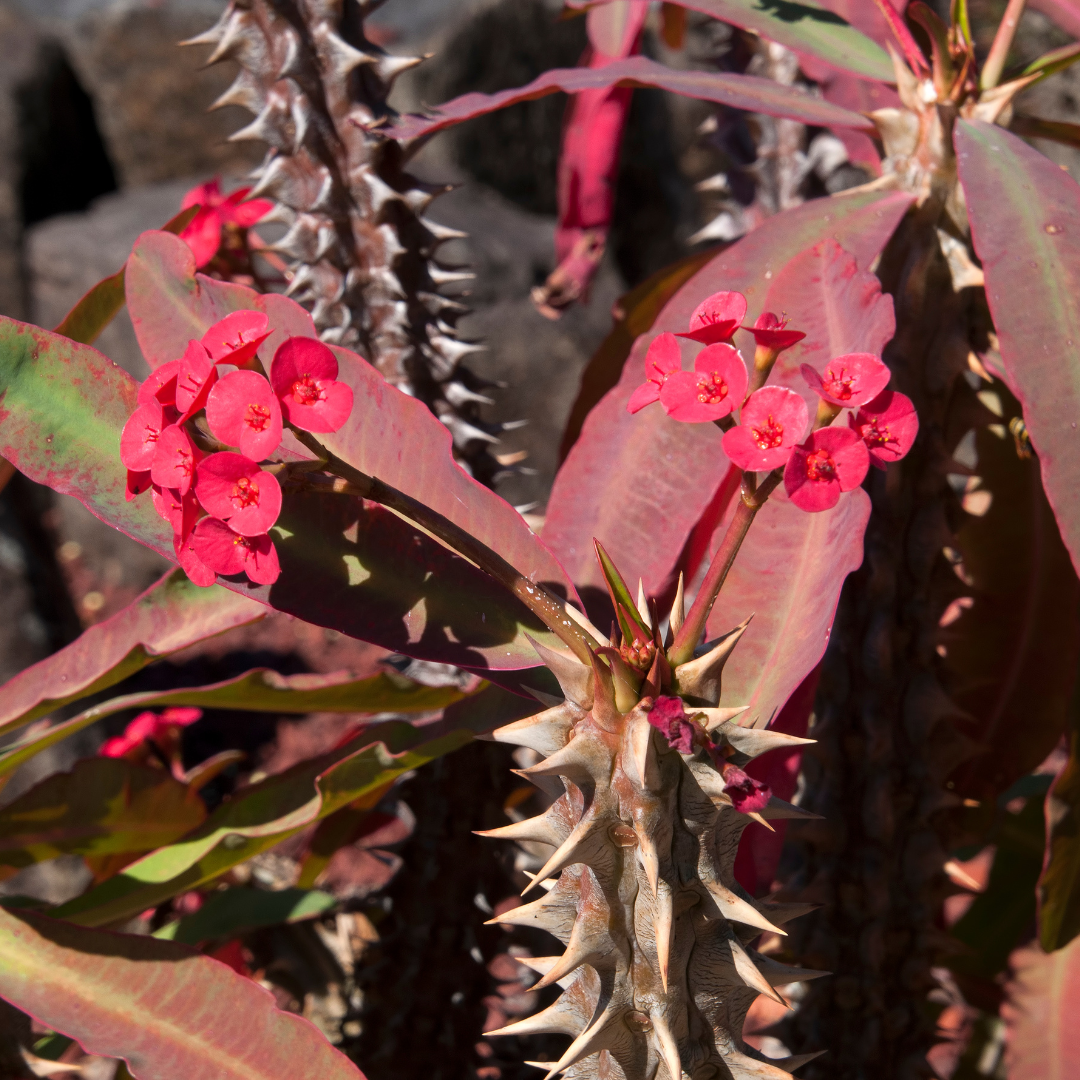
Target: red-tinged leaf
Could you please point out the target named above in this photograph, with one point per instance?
(1025, 222)
(788, 576)
(859, 95)
(354, 568)
(389, 434)
(85, 321)
(614, 27)
(261, 816)
(641, 483)
(818, 27)
(738, 91)
(865, 16)
(1012, 635)
(167, 617)
(1059, 885)
(101, 807)
(1066, 13)
(1043, 1037)
(165, 1009)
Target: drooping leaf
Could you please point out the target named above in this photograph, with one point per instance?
(167, 1011)
(738, 91)
(640, 484)
(358, 773)
(260, 690)
(102, 806)
(1032, 127)
(85, 321)
(1025, 222)
(233, 911)
(352, 567)
(827, 29)
(1043, 1037)
(1059, 885)
(389, 435)
(169, 616)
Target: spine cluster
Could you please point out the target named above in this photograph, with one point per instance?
(363, 258)
(658, 971)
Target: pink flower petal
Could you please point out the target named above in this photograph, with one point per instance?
(139, 439)
(849, 381)
(303, 376)
(832, 460)
(236, 338)
(203, 235)
(645, 394)
(208, 194)
(772, 422)
(713, 390)
(664, 357)
(770, 332)
(242, 410)
(715, 319)
(160, 385)
(197, 376)
(888, 425)
(182, 512)
(233, 488)
(175, 458)
(226, 552)
(197, 571)
(137, 483)
(247, 212)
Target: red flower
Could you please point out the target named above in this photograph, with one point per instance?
(716, 319)
(770, 333)
(236, 338)
(830, 461)
(148, 726)
(748, 796)
(180, 511)
(140, 437)
(175, 458)
(771, 423)
(196, 377)
(233, 488)
(160, 385)
(888, 425)
(203, 232)
(226, 552)
(137, 483)
(661, 360)
(849, 381)
(243, 411)
(304, 374)
(197, 571)
(713, 389)
(669, 717)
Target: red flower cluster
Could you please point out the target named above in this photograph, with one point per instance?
(203, 232)
(148, 727)
(222, 505)
(773, 421)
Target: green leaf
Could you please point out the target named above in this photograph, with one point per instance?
(1059, 886)
(1025, 222)
(233, 911)
(354, 568)
(805, 27)
(737, 91)
(85, 321)
(101, 807)
(259, 690)
(169, 616)
(166, 1010)
(266, 813)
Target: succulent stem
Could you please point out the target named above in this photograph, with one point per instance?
(751, 500)
(999, 50)
(543, 603)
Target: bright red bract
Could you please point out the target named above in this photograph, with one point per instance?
(831, 461)
(304, 377)
(849, 381)
(772, 421)
(243, 411)
(233, 488)
(663, 358)
(236, 338)
(715, 387)
(716, 319)
(175, 458)
(888, 425)
(226, 552)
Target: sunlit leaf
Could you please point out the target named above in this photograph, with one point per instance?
(236, 910)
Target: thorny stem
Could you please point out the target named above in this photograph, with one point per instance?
(751, 499)
(1003, 39)
(539, 600)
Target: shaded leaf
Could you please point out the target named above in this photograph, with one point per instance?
(233, 911)
(169, 616)
(1025, 223)
(352, 567)
(101, 807)
(1032, 127)
(85, 321)
(640, 484)
(821, 29)
(1066, 13)
(167, 1011)
(1043, 1004)
(1059, 885)
(738, 91)
(261, 816)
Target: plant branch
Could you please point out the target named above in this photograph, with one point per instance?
(543, 603)
(751, 500)
(1003, 39)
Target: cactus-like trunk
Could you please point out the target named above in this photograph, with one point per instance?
(363, 258)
